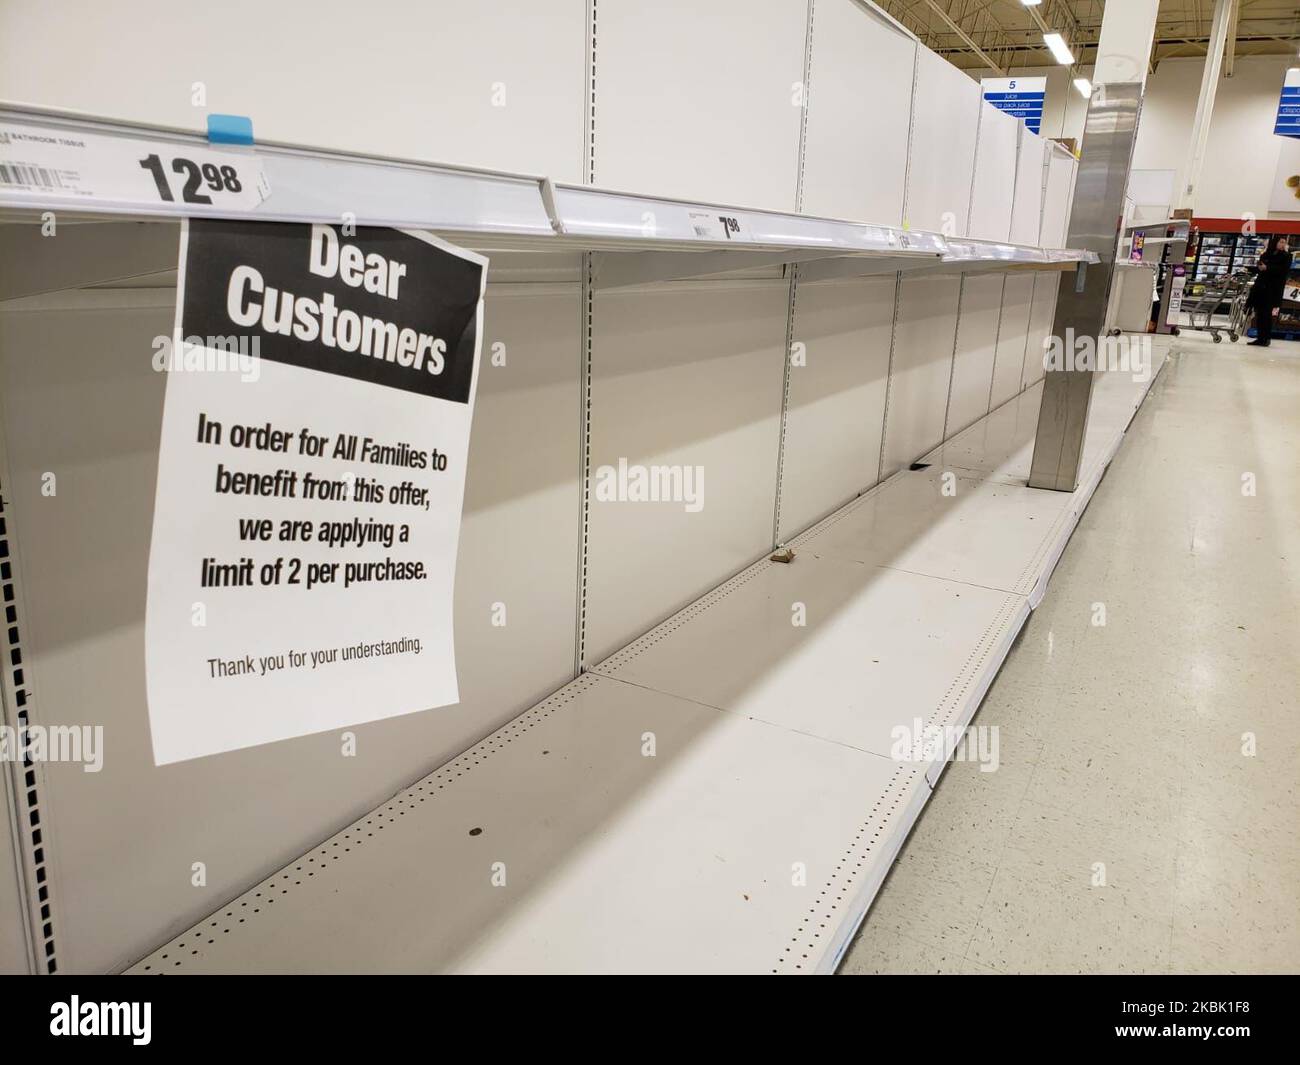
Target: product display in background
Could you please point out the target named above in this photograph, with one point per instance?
(1285, 196)
(1221, 256)
(1288, 315)
(311, 475)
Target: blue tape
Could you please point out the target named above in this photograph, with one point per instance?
(230, 129)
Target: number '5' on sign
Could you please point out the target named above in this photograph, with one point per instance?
(197, 178)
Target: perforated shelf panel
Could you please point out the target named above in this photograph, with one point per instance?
(718, 796)
(557, 845)
(836, 649)
(946, 524)
(1000, 447)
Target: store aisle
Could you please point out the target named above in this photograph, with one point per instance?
(1125, 829)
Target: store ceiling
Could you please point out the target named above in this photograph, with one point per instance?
(1001, 34)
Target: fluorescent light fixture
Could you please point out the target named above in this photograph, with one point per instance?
(1031, 3)
(1084, 86)
(1059, 49)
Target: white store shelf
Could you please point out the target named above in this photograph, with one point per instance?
(959, 256)
(564, 798)
(879, 650)
(988, 533)
(602, 215)
(1000, 447)
(978, 252)
(767, 760)
(639, 238)
(310, 185)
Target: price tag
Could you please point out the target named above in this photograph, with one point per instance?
(710, 225)
(48, 162)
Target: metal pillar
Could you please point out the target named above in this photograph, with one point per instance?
(1128, 29)
(1107, 154)
(1205, 102)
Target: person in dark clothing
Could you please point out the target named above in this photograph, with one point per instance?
(1266, 293)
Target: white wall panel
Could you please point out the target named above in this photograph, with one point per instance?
(80, 399)
(1041, 317)
(993, 190)
(1056, 199)
(836, 403)
(920, 369)
(1241, 157)
(977, 339)
(495, 83)
(682, 375)
(855, 153)
(697, 101)
(944, 123)
(1027, 213)
(1013, 331)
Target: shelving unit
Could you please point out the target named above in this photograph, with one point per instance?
(638, 239)
(629, 326)
(1214, 256)
(1229, 252)
(756, 836)
(1220, 255)
(1246, 251)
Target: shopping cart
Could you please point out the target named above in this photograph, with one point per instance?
(1239, 314)
(1234, 290)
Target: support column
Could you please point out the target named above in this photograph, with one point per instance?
(1106, 156)
(1223, 10)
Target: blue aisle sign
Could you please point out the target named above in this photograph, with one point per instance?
(1288, 108)
(1018, 97)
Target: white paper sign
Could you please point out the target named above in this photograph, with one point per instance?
(47, 161)
(309, 492)
(1176, 288)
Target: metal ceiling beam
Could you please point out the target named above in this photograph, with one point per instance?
(958, 28)
(1205, 102)
(903, 11)
(963, 35)
(1230, 58)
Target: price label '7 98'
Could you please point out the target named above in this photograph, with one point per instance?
(710, 225)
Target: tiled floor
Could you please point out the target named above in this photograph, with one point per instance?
(1125, 830)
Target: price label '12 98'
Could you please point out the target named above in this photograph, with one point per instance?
(60, 163)
(199, 179)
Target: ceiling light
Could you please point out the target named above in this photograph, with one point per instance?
(1059, 49)
(1084, 86)
(1031, 3)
